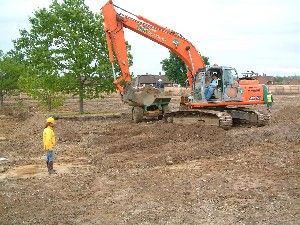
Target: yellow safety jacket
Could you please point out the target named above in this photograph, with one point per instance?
(269, 98)
(49, 138)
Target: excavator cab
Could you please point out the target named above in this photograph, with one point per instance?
(225, 85)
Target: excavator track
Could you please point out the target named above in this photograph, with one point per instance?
(247, 116)
(225, 118)
(263, 119)
(207, 117)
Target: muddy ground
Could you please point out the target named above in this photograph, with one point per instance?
(112, 171)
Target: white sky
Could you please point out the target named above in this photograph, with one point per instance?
(258, 35)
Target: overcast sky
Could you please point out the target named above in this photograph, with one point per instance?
(258, 35)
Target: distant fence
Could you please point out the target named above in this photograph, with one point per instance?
(284, 89)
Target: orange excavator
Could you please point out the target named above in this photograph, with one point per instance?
(218, 96)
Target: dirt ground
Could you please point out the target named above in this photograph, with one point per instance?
(112, 171)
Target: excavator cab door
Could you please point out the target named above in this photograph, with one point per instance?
(214, 73)
(198, 87)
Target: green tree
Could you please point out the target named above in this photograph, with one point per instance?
(68, 41)
(206, 60)
(175, 69)
(10, 71)
(45, 88)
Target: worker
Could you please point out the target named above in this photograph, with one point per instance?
(211, 87)
(49, 143)
(159, 84)
(269, 100)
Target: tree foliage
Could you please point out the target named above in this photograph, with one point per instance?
(10, 71)
(175, 69)
(45, 88)
(295, 79)
(66, 47)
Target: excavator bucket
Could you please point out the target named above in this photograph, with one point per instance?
(147, 102)
(140, 97)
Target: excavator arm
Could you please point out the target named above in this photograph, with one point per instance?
(114, 24)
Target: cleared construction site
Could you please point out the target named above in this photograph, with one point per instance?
(111, 170)
(218, 148)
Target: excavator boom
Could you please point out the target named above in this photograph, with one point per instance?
(115, 22)
(116, 43)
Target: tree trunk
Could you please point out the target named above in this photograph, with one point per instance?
(1, 98)
(49, 104)
(48, 100)
(81, 97)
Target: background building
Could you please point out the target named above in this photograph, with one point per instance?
(159, 80)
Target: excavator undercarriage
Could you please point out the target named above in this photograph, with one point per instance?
(149, 103)
(223, 117)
